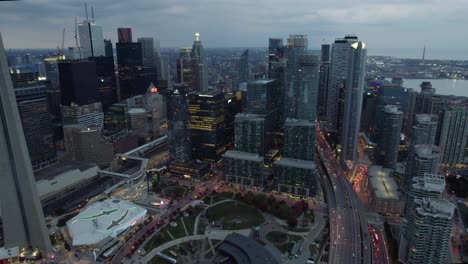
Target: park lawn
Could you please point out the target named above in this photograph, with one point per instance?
(177, 231)
(190, 224)
(235, 215)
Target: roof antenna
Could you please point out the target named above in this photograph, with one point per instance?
(86, 10)
(92, 14)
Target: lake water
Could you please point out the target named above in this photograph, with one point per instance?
(442, 86)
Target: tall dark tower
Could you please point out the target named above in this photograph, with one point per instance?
(23, 220)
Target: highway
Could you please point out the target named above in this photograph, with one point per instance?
(349, 237)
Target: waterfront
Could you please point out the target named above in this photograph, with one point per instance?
(442, 86)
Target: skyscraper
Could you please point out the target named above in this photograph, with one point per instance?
(307, 88)
(250, 133)
(134, 77)
(354, 89)
(322, 94)
(325, 53)
(184, 67)
(275, 58)
(23, 221)
(147, 47)
(244, 67)
(109, 51)
(207, 113)
(428, 231)
(390, 142)
(178, 124)
(263, 99)
(124, 35)
(91, 39)
(424, 129)
(299, 139)
(296, 47)
(338, 77)
(453, 136)
(78, 82)
(199, 66)
(106, 80)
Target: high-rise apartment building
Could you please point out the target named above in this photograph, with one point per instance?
(295, 176)
(250, 133)
(207, 113)
(244, 67)
(391, 135)
(353, 93)
(199, 66)
(307, 88)
(322, 94)
(428, 231)
(337, 80)
(297, 47)
(453, 136)
(424, 129)
(243, 168)
(23, 223)
(425, 159)
(299, 139)
(91, 39)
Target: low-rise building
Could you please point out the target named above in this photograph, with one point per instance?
(385, 198)
(98, 225)
(243, 168)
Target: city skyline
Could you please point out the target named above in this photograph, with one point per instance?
(177, 21)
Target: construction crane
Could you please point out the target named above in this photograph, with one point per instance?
(61, 48)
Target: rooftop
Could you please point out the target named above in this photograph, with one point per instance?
(438, 208)
(245, 250)
(296, 163)
(242, 116)
(430, 182)
(103, 219)
(383, 185)
(427, 151)
(298, 122)
(426, 119)
(136, 111)
(60, 168)
(234, 154)
(262, 81)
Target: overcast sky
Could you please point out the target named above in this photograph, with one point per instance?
(244, 23)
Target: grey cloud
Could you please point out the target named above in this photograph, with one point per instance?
(38, 23)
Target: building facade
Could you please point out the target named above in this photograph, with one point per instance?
(299, 139)
(354, 89)
(91, 39)
(78, 82)
(243, 168)
(249, 133)
(207, 113)
(453, 136)
(297, 177)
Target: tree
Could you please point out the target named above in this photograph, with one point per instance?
(248, 197)
(292, 220)
(259, 200)
(271, 199)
